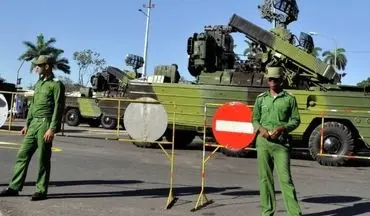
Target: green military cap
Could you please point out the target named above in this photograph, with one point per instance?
(42, 59)
(274, 72)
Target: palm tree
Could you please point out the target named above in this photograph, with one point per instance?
(329, 57)
(60, 63)
(316, 52)
(43, 47)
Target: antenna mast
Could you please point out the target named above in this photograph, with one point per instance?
(147, 14)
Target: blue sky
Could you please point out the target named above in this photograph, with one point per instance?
(115, 28)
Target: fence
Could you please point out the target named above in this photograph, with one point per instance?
(139, 128)
(202, 199)
(136, 129)
(148, 127)
(10, 113)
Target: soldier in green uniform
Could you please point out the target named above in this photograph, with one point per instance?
(275, 114)
(43, 121)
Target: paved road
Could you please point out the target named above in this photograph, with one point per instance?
(105, 177)
(83, 130)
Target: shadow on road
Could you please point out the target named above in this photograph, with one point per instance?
(245, 193)
(354, 209)
(12, 128)
(332, 199)
(148, 193)
(84, 182)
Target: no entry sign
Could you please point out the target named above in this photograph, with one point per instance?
(232, 125)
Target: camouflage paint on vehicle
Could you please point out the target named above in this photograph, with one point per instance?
(189, 100)
(88, 107)
(222, 78)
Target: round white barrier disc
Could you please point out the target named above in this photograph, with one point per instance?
(3, 110)
(145, 121)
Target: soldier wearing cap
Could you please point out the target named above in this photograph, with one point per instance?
(43, 121)
(275, 114)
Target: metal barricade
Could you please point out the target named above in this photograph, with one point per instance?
(202, 199)
(170, 156)
(11, 111)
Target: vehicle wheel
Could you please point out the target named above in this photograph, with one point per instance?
(338, 140)
(183, 138)
(94, 122)
(72, 117)
(108, 122)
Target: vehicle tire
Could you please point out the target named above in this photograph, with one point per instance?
(183, 138)
(73, 117)
(338, 140)
(108, 122)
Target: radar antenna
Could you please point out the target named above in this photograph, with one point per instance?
(134, 61)
(288, 8)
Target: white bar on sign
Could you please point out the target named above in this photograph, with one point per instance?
(234, 126)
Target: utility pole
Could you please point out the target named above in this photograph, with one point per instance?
(147, 14)
(17, 79)
(273, 11)
(335, 43)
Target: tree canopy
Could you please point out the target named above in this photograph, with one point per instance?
(87, 59)
(45, 47)
(364, 83)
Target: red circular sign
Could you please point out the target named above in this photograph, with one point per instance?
(232, 125)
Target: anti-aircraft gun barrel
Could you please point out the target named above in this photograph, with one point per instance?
(309, 64)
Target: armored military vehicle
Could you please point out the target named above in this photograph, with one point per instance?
(82, 108)
(222, 77)
(112, 82)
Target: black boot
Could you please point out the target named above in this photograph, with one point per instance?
(9, 192)
(38, 196)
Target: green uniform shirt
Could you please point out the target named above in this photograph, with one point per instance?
(270, 112)
(48, 102)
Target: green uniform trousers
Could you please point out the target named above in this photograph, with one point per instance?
(33, 140)
(270, 155)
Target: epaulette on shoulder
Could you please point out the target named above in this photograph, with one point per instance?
(289, 93)
(262, 94)
(55, 79)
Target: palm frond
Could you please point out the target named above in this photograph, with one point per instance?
(326, 53)
(341, 50)
(30, 45)
(63, 67)
(50, 41)
(40, 40)
(44, 47)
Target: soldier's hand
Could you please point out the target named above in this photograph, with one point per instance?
(264, 132)
(277, 132)
(49, 136)
(24, 131)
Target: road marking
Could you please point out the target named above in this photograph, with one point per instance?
(9, 145)
(234, 126)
